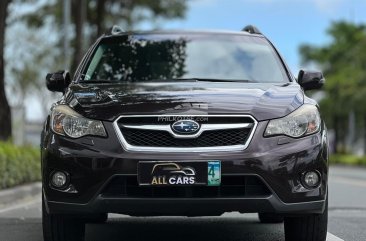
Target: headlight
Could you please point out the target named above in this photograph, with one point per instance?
(301, 122)
(65, 121)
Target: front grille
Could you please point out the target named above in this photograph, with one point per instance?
(156, 138)
(231, 186)
(138, 132)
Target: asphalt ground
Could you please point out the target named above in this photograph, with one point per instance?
(347, 220)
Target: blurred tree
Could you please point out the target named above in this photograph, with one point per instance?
(5, 114)
(92, 17)
(28, 58)
(79, 14)
(129, 13)
(344, 64)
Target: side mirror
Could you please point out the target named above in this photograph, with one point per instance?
(310, 80)
(58, 81)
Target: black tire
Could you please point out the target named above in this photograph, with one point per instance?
(312, 227)
(58, 227)
(99, 218)
(270, 218)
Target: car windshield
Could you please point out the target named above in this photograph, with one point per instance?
(166, 57)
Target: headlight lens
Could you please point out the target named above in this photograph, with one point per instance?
(301, 122)
(65, 121)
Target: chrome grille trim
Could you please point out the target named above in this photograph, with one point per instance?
(204, 127)
(128, 147)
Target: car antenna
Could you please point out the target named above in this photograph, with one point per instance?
(115, 30)
(251, 29)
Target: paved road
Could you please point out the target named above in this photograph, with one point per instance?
(347, 220)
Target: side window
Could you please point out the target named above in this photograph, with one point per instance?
(96, 61)
(84, 60)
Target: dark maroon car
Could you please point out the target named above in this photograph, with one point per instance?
(184, 123)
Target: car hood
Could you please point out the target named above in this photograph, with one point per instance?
(109, 101)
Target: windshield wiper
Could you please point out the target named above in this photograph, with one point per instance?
(170, 80)
(216, 80)
(101, 81)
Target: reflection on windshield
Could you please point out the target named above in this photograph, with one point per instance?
(210, 57)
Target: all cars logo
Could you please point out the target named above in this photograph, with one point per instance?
(172, 174)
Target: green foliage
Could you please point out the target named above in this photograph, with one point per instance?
(90, 19)
(18, 165)
(130, 13)
(345, 159)
(343, 62)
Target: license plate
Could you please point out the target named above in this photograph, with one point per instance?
(214, 173)
(179, 173)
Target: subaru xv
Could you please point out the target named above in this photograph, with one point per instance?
(189, 123)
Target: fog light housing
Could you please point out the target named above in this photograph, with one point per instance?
(311, 179)
(59, 179)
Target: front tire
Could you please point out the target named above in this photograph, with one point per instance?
(270, 218)
(312, 227)
(57, 227)
(98, 218)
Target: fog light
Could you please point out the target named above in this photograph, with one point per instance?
(311, 179)
(59, 179)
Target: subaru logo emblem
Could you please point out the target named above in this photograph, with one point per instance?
(185, 127)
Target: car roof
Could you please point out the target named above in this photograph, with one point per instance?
(181, 32)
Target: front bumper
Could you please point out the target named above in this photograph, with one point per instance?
(277, 161)
(186, 207)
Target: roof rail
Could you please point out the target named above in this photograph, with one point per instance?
(251, 29)
(115, 30)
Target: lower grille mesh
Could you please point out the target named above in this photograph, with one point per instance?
(231, 186)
